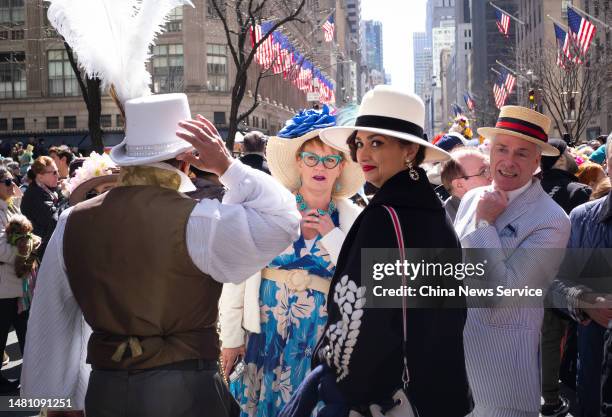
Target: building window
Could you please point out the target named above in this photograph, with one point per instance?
(219, 117)
(19, 123)
(256, 121)
(3, 124)
(12, 75)
(118, 120)
(4, 35)
(210, 9)
(12, 11)
(106, 120)
(17, 35)
(175, 20)
(168, 68)
(264, 123)
(62, 80)
(216, 65)
(53, 122)
(70, 122)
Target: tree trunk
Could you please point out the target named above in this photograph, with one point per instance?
(94, 108)
(237, 96)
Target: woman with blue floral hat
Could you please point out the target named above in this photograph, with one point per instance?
(283, 308)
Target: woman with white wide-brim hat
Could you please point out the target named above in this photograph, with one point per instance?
(365, 356)
(283, 308)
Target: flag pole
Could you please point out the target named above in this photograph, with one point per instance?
(564, 27)
(495, 71)
(503, 11)
(590, 16)
(518, 74)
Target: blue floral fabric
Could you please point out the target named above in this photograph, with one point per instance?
(278, 359)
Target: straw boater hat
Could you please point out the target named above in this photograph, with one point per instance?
(522, 123)
(281, 153)
(390, 112)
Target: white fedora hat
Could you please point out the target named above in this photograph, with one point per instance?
(150, 130)
(390, 112)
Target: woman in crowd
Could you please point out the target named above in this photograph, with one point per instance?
(360, 359)
(41, 202)
(11, 286)
(283, 308)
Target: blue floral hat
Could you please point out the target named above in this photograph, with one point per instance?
(281, 152)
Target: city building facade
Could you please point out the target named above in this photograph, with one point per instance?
(40, 96)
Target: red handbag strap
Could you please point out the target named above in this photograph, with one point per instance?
(400, 244)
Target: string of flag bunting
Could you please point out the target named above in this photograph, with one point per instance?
(278, 54)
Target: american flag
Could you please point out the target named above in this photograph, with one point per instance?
(581, 29)
(469, 101)
(509, 81)
(563, 43)
(503, 22)
(264, 55)
(277, 57)
(328, 29)
(499, 92)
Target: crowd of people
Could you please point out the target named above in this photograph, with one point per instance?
(273, 243)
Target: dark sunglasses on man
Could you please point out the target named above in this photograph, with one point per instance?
(8, 182)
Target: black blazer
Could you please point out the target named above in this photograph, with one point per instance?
(255, 161)
(565, 189)
(438, 379)
(42, 210)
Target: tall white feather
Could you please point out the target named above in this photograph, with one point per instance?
(111, 38)
(347, 115)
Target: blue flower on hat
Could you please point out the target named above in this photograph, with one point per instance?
(307, 121)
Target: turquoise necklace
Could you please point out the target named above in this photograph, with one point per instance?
(299, 199)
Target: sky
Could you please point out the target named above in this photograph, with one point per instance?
(399, 18)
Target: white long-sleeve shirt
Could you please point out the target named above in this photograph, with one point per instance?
(230, 241)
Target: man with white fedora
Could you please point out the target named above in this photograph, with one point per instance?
(125, 311)
(142, 266)
(524, 226)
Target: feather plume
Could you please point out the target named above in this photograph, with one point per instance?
(347, 115)
(111, 38)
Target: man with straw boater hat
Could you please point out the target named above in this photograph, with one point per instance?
(131, 278)
(515, 216)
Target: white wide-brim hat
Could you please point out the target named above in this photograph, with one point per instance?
(151, 123)
(388, 111)
(522, 123)
(282, 162)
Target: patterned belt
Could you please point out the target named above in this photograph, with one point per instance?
(297, 279)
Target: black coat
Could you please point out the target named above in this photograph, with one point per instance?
(438, 379)
(255, 161)
(42, 209)
(565, 189)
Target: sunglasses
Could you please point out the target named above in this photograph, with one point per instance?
(8, 182)
(312, 160)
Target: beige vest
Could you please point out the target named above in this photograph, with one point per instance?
(131, 274)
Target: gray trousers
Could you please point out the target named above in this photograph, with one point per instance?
(487, 411)
(159, 393)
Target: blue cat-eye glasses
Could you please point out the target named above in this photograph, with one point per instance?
(312, 160)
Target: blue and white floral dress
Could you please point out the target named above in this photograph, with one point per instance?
(278, 358)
